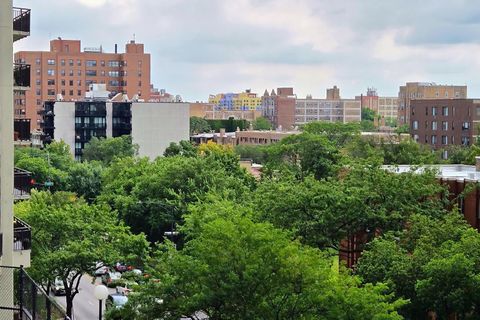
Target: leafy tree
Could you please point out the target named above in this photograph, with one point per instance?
(85, 179)
(367, 126)
(69, 237)
(183, 148)
(339, 133)
(43, 172)
(435, 263)
(261, 123)
(303, 154)
(237, 269)
(256, 153)
(403, 129)
(368, 114)
(407, 152)
(198, 125)
(391, 122)
(107, 149)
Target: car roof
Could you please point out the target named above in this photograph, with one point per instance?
(119, 298)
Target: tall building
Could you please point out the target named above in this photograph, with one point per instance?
(67, 70)
(333, 93)
(236, 101)
(153, 126)
(279, 108)
(14, 25)
(385, 107)
(443, 122)
(425, 90)
(343, 110)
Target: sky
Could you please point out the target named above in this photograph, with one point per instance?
(202, 47)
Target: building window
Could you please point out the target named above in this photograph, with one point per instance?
(102, 73)
(444, 140)
(139, 63)
(79, 62)
(113, 63)
(79, 73)
(70, 73)
(478, 111)
(51, 92)
(444, 154)
(140, 84)
(37, 72)
(434, 125)
(113, 73)
(445, 125)
(37, 61)
(453, 140)
(139, 73)
(79, 83)
(446, 94)
(70, 62)
(434, 139)
(70, 92)
(434, 111)
(63, 92)
(79, 92)
(39, 102)
(415, 125)
(70, 82)
(465, 125)
(62, 72)
(51, 82)
(457, 94)
(62, 62)
(413, 111)
(38, 92)
(102, 63)
(415, 137)
(51, 62)
(63, 82)
(91, 73)
(37, 82)
(426, 111)
(465, 141)
(91, 63)
(444, 111)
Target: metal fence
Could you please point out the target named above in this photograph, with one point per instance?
(31, 302)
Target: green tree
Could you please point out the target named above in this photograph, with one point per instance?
(85, 179)
(107, 149)
(256, 153)
(198, 125)
(407, 152)
(261, 123)
(70, 237)
(237, 269)
(368, 114)
(339, 133)
(403, 129)
(183, 148)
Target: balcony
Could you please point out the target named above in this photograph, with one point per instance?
(22, 183)
(21, 76)
(22, 243)
(21, 23)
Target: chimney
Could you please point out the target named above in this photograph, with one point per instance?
(477, 164)
(116, 48)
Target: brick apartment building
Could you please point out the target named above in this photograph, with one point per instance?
(385, 107)
(279, 108)
(444, 122)
(67, 70)
(425, 90)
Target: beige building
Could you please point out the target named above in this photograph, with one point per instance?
(388, 107)
(343, 110)
(425, 90)
(211, 111)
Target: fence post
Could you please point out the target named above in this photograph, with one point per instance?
(34, 300)
(20, 291)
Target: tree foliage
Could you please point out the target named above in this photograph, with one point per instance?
(106, 150)
(261, 123)
(70, 237)
(198, 125)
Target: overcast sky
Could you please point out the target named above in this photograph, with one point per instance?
(201, 47)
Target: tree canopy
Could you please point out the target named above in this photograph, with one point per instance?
(106, 150)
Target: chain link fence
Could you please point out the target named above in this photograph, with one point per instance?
(31, 302)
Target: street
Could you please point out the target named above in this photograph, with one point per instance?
(85, 305)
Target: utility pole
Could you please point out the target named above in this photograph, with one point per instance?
(6, 154)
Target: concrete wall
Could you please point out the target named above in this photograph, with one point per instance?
(155, 125)
(65, 123)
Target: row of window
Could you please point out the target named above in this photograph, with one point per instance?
(434, 111)
(444, 140)
(90, 73)
(88, 63)
(434, 125)
(417, 95)
(51, 92)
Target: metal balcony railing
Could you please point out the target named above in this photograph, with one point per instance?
(21, 75)
(22, 235)
(21, 20)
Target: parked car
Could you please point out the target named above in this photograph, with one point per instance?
(57, 287)
(121, 267)
(101, 269)
(116, 301)
(111, 279)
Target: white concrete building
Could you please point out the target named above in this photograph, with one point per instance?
(153, 126)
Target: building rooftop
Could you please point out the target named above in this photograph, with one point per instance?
(444, 171)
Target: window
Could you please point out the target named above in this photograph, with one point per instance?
(415, 125)
(139, 63)
(70, 82)
(51, 62)
(62, 72)
(139, 73)
(79, 62)
(457, 94)
(426, 111)
(63, 82)
(70, 73)
(37, 61)
(113, 73)
(63, 92)
(79, 92)
(445, 125)
(79, 83)
(434, 111)
(37, 82)
(465, 125)
(113, 63)
(91, 73)
(413, 111)
(444, 140)
(465, 141)
(38, 92)
(37, 72)
(102, 73)
(478, 111)
(415, 137)
(434, 139)
(51, 92)
(446, 94)
(39, 102)
(444, 154)
(91, 63)
(70, 62)
(444, 111)
(51, 82)
(102, 63)
(79, 73)
(70, 92)
(62, 62)
(139, 83)
(113, 83)
(434, 125)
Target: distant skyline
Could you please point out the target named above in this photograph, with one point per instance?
(202, 47)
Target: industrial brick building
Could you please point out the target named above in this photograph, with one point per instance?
(67, 70)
